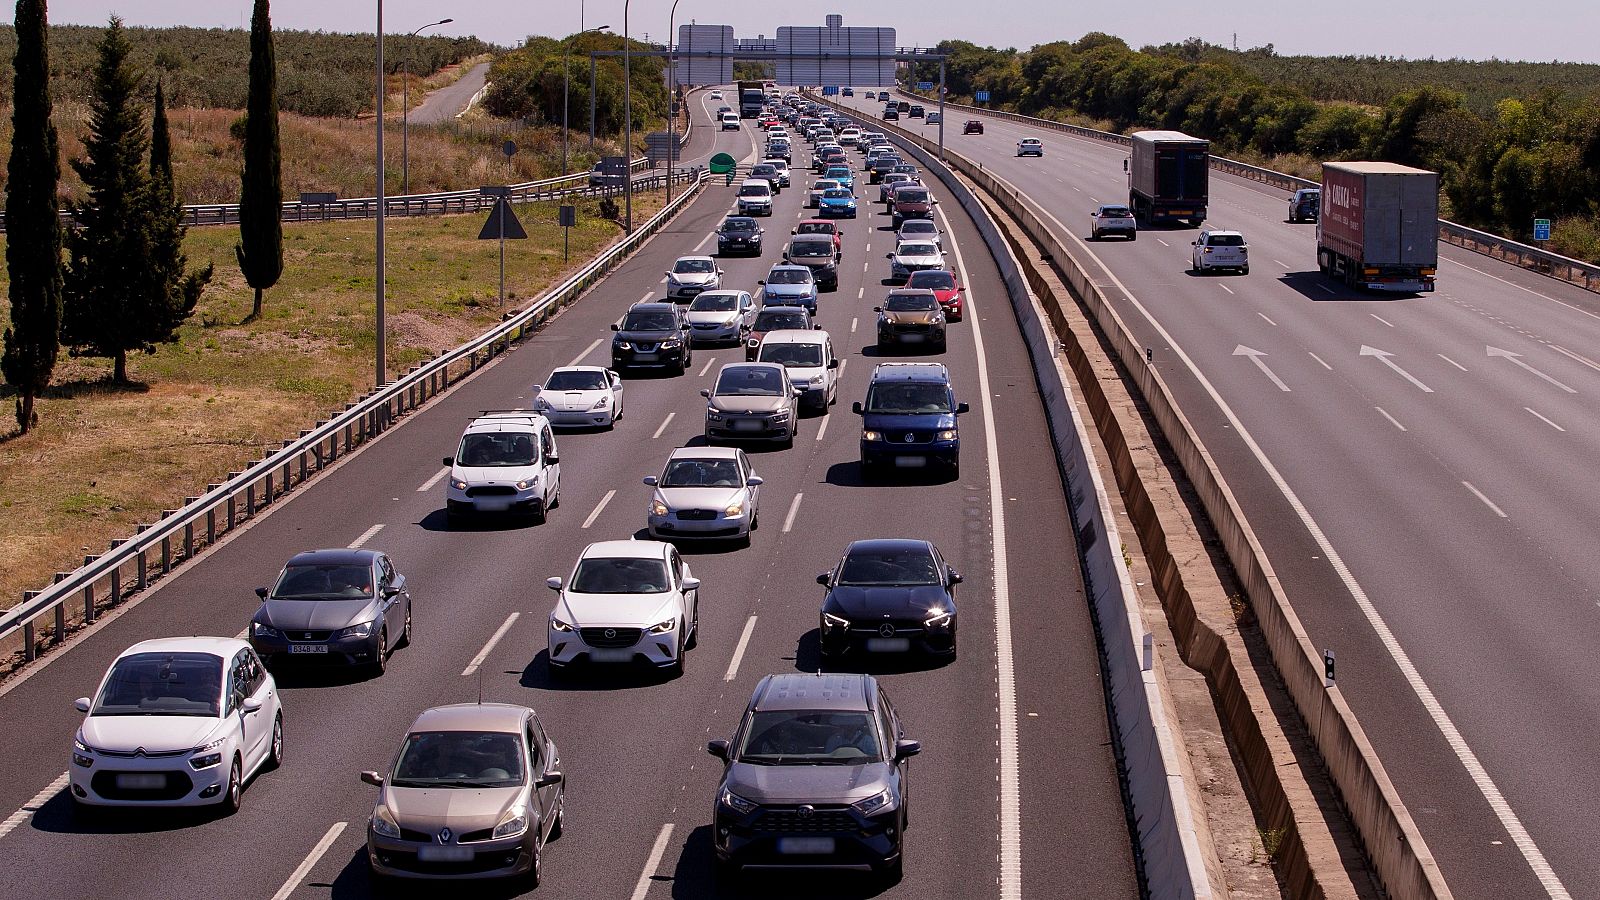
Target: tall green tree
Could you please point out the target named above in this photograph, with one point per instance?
(33, 219)
(171, 290)
(260, 247)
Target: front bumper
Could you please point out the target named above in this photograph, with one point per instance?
(718, 527)
(711, 333)
(911, 456)
(676, 291)
(504, 858)
(474, 500)
(765, 428)
(725, 248)
(833, 837)
(755, 209)
(836, 212)
(315, 648)
(625, 645)
(660, 359)
(912, 335)
(179, 786)
(580, 418)
(876, 637)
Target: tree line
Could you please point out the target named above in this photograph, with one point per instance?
(123, 284)
(1523, 157)
(529, 83)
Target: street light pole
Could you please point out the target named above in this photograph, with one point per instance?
(566, 87)
(378, 320)
(627, 118)
(672, 94)
(405, 113)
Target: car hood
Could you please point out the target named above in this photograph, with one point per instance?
(316, 615)
(908, 602)
(906, 421)
(699, 497)
(805, 374)
(712, 317)
(460, 809)
(623, 610)
(572, 400)
(918, 260)
(910, 317)
(693, 277)
(748, 404)
(156, 734)
(839, 201)
(648, 337)
(786, 291)
(807, 784)
(483, 475)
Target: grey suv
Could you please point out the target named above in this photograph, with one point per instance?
(816, 775)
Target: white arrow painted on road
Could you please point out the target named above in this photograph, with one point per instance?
(1517, 359)
(1255, 357)
(1383, 357)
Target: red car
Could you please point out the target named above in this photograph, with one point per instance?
(972, 126)
(945, 287)
(823, 226)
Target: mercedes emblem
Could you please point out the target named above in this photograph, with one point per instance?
(886, 629)
(444, 835)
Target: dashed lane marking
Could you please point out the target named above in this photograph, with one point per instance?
(493, 640)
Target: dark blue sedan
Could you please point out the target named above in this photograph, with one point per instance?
(889, 595)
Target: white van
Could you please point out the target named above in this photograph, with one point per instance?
(808, 355)
(755, 197)
(506, 463)
(730, 121)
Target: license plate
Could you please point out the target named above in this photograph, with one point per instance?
(747, 425)
(432, 853)
(494, 505)
(911, 338)
(911, 462)
(610, 655)
(308, 648)
(797, 846)
(141, 782)
(888, 645)
(645, 357)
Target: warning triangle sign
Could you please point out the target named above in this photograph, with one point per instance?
(502, 223)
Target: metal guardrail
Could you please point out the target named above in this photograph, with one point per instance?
(131, 565)
(1564, 268)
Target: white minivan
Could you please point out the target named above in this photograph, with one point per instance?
(755, 197)
(808, 355)
(730, 121)
(506, 463)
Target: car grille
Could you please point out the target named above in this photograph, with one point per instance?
(313, 636)
(708, 326)
(697, 515)
(910, 327)
(618, 637)
(908, 437)
(473, 837)
(902, 627)
(145, 754)
(411, 834)
(643, 347)
(178, 786)
(492, 490)
(815, 821)
(480, 862)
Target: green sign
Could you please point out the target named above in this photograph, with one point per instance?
(722, 164)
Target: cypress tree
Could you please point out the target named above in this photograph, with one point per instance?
(260, 247)
(170, 291)
(33, 221)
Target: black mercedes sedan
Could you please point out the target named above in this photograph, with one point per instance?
(889, 596)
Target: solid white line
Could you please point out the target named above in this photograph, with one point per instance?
(738, 651)
(33, 806)
(598, 507)
(1497, 511)
(489, 647)
(365, 536)
(1392, 420)
(576, 360)
(1543, 419)
(643, 886)
(1381, 319)
(1006, 679)
(794, 507)
(435, 479)
(1580, 358)
(1269, 320)
(707, 367)
(822, 428)
(1527, 289)
(1319, 359)
(664, 423)
(1451, 362)
(311, 859)
(1226, 288)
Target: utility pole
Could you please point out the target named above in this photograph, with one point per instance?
(405, 112)
(378, 319)
(672, 95)
(627, 118)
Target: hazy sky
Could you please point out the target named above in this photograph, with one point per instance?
(1474, 29)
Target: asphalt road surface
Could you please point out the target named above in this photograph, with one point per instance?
(447, 102)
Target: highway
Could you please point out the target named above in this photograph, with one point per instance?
(1420, 470)
(632, 745)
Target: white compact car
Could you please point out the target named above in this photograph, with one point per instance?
(704, 492)
(1220, 250)
(808, 355)
(913, 256)
(1030, 147)
(716, 95)
(177, 722)
(625, 601)
(782, 166)
(919, 230)
(691, 275)
(1113, 218)
(582, 396)
(721, 316)
(506, 462)
(730, 121)
(755, 197)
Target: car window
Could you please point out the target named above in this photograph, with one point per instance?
(778, 321)
(804, 737)
(547, 442)
(694, 267)
(675, 563)
(575, 380)
(459, 759)
(792, 355)
(916, 249)
(702, 473)
(620, 575)
(1227, 240)
(1116, 212)
(908, 397)
(534, 754)
(162, 683)
(789, 276)
(888, 568)
(837, 194)
(649, 320)
(326, 581)
(932, 279)
(910, 303)
(754, 190)
(750, 381)
(238, 682)
(910, 195)
(805, 249)
(497, 449)
(714, 303)
(258, 672)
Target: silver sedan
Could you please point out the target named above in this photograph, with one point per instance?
(704, 492)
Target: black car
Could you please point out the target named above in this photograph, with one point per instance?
(889, 596)
(816, 253)
(651, 335)
(739, 234)
(344, 607)
(816, 775)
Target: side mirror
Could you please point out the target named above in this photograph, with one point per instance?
(904, 749)
(552, 458)
(856, 407)
(372, 778)
(447, 461)
(955, 577)
(761, 281)
(963, 408)
(261, 592)
(823, 579)
(1124, 165)
(691, 584)
(888, 256)
(251, 705)
(833, 364)
(549, 779)
(81, 704)
(616, 326)
(553, 582)
(651, 480)
(536, 389)
(877, 309)
(755, 481)
(705, 392)
(799, 392)
(719, 749)
(391, 591)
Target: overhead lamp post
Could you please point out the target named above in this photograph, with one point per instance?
(566, 86)
(378, 319)
(405, 113)
(672, 93)
(627, 118)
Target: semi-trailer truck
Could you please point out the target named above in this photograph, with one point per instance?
(1379, 227)
(1168, 176)
(752, 99)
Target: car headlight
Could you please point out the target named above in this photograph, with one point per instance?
(558, 625)
(657, 508)
(672, 279)
(713, 415)
(262, 629)
(670, 344)
(878, 802)
(78, 759)
(833, 621)
(622, 345)
(205, 761)
(939, 618)
(602, 403)
(458, 484)
(383, 823)
(527, 483)
(734, 509)
(355, 631)
(662, 627)
(949, 434)
(513, 823)
(734, 802)
(872, 435)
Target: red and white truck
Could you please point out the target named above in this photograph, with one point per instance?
(1379, 227)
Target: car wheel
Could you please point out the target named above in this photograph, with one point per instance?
(678, 665)
(275, 751)
(1133, 235)
(380, 662)
(560, 824)
(1094, 235)
(955, 470)
(540, 514)
(405, 633)
(536, 870)
(233, 794)
(1244, 270)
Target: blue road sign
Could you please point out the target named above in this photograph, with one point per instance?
(981, 96)
(1541, 229)
(828, 90)
(924, 85)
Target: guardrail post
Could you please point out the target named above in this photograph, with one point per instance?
(116, 576)
(141, 573)
(166, 554)
(188, 532)
(88, 599)
(250, 496)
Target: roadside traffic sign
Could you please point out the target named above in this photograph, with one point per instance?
(829, 90)
(1541, 229)
(722, 164)
(502, 224)
(924, 85)
(981, 96)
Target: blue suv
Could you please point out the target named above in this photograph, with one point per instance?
(909, 419)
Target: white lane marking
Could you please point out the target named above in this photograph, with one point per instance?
(861, 292)
(1579, 357)
(1452, 362)
(1226, 288)
(663, 279)
(643, 886)
(864, 266)
(1319, 359)
(869, 246)
(1328, 289)
(1006, 679)
(853, 321)
(434, 479)
(1255, 357)
(598, 507)
(648, 296)
(1075, 187)
(1392, 420)
(1516, 360)
(822, 428)
(1162, 243)
(1381, 319)
(664, 423)
(33, 806)
(1282, 263)
(1502, 514)
(1269, 319)
(707, 367)
(703, 241)
(794, 507)
(738, 651)
(576, 360)
(1543, 419)
(1094, 199)
(311, 860)
(489, 647)
(842, 363)
(1528, 290)
(365, 536)
(1383, 357)
(1481, 779)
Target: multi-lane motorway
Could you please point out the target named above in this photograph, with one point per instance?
(1420, 470)
(639, 781)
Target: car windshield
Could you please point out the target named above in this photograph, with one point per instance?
(789, 276)
(916, 249)
(837, 194)
(754, 190)
(825, 186)
(750, 381)
(838, 172)
(576, 380)
(694, 267)
(919, 226)
(498, 448)
(803, 356)
(904, 169)
(910, 195)
(649, 320)
(792, 737)
(778, 321)
(1116, 212)
(908, 397)
(162, 684)
(334, 581)
(933, 280)
(459, 759)
(1227, 240)
(814, 228)
(886, 162)
(701, 473)
(889, 568)
(812, 248)
(739, 225)
(620, 575)
(910, 303)
(762, 171)
(714, 303)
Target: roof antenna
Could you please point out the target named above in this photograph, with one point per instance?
(480, 687)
